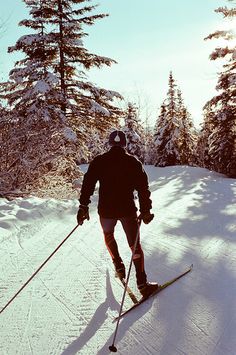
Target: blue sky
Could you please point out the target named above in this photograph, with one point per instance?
(147, 39)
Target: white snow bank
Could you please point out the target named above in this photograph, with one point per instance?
(22, 211)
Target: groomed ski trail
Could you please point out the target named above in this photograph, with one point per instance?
(69, 307)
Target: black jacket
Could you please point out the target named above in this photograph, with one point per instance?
(119, 174)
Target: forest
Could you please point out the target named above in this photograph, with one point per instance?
(53, 118)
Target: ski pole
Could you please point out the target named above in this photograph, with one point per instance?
(39, 268)
(113, 347)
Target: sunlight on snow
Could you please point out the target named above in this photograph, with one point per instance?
(177, 254)
(229, 210)
(213, 248)
(231, 227)
(202, 317)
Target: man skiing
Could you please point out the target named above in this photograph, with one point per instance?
(119, 175)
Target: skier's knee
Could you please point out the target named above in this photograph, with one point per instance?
(136, 256)
(138, 249)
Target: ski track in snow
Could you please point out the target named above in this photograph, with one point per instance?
(68, 308)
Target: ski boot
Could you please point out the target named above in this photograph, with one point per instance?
(147, 289)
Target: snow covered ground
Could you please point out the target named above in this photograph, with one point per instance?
(69, 306)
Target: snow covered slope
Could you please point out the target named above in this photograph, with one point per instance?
(69, 306)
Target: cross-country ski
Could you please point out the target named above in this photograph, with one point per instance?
(160, 288)
(129, 291)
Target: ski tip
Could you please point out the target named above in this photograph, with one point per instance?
(191, 267)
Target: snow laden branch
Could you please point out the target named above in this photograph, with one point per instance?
(226, 35)
(228, 13)
(222, 52)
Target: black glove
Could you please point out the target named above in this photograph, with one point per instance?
(82, 214)
(147, 217)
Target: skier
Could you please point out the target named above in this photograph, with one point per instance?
(119, 174)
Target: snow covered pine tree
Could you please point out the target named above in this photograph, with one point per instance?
(174, 135)
(51, 101)
(220, 111)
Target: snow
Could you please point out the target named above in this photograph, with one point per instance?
(69, 306)
(28, 39)
(41, 87)
(69, 134)
(95, 107)
(76, 42)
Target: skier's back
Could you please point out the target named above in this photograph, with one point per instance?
(119, 175)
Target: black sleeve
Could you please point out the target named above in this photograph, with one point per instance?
(89, 182)
(145, 203)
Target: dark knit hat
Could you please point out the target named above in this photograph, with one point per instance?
(117, 138)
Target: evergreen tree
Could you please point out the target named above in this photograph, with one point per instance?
(167, 147)
(4, 144)
(53, 71)
(149, 158)
(53, 104)
(97, 143)
(159, 142)
(202, 148)
(174, 132)
(222, 140)
(134, 132)
(188, 136)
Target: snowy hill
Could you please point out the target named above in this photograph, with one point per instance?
(69, 306)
